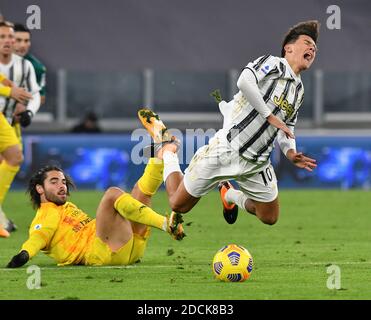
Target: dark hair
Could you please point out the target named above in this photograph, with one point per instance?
(6, 24)
(91, 116)
(309, 28)
(39, 178)
(20, 28)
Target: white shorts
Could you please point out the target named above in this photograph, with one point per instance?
(217, 162)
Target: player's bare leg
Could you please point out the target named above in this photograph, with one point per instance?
(179, 198)
(110, 219)
(111, 227)
(267, 212)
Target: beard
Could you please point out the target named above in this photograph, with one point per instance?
(58, 200)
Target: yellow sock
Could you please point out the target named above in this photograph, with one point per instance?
(133, 210)
(152, 177)
(7, 174)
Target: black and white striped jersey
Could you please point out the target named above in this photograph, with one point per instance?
(249, 132)
(22, 73)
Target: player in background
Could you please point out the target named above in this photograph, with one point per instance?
(7, 87)
(118, 235)
(13, 114)
(8, 90)
(265, 108)
(22, 47)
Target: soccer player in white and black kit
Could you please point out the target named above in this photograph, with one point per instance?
(13, 114)
(265, 109)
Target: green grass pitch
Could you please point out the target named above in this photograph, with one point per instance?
(316, 229)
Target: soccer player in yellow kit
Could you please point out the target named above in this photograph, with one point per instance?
(7, 136)
(117, 236)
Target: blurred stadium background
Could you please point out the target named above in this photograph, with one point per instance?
(114, 57)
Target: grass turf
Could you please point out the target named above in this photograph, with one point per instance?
(316, 229)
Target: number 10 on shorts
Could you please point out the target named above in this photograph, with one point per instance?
(266, 175)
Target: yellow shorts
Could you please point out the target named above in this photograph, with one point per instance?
(9, 136)
(100, 253)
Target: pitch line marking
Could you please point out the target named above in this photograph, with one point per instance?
(174, 266)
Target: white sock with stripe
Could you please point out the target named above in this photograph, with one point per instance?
(237, 197)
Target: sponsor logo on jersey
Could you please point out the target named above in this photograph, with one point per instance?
(284, 105)
(38, 226)
(265, 69)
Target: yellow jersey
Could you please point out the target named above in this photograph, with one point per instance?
(4, 90)
(62, 232)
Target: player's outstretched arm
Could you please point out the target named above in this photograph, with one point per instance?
(300, 160)
(19, 260)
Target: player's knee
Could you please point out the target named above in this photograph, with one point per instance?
(269, 220)
(179, 207)
(112, 193)
(16, 160)
(20, 159)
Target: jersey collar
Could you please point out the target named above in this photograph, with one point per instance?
(289, 73)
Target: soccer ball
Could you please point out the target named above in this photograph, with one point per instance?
(232, 263)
